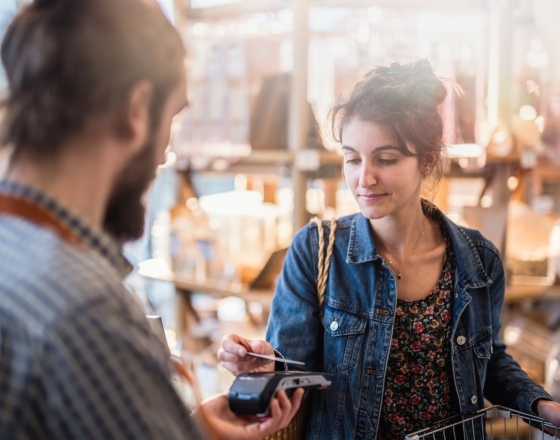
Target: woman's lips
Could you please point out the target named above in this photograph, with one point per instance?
(372, 197)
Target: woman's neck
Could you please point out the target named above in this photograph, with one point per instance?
(399, 235)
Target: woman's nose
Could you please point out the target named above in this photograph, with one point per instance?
(367, 177)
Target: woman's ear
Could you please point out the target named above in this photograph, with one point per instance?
(427, 165)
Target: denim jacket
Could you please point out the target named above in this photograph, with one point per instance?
(361, 297)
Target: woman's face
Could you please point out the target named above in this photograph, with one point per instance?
(382, 179)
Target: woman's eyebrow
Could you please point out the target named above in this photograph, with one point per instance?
(376, 150)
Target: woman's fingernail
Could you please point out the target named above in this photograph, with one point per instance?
(241, 352)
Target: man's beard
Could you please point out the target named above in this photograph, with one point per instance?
(124, 218)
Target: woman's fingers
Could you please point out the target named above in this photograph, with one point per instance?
(226, 356)
(234, 357)
(236, 368)
(236, 345)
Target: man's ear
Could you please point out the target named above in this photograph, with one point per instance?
(133, 122)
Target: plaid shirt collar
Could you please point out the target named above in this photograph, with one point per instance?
(92, 238)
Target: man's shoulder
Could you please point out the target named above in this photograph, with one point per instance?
(42, 278)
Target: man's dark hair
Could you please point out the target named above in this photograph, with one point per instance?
(71, 61)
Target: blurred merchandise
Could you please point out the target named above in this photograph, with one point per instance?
(531, 246)
(269, 119)
(530, 343)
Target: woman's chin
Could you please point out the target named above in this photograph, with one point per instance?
(374, 213)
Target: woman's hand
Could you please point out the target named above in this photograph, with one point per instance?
(550, 411)
(235, 359)
(219, 420)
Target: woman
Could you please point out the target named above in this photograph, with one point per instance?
(409, 327)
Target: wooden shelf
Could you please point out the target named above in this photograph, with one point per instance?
(519, 293)
(275, 157)
(157, 269)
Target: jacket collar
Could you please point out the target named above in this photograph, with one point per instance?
(361, 246)
(470, 270)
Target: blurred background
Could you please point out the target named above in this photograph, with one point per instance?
(250, 162)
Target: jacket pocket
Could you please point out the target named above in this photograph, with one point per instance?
(343, 337)
(482, 350)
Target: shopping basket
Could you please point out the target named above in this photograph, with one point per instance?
(496, 422)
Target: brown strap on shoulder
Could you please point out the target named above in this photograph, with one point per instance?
(36, 214)
(324, 263)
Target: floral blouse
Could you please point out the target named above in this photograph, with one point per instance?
(419, 388)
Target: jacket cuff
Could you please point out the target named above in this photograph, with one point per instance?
(534, 404)
(528, 398)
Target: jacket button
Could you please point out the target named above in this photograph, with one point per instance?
(364, 431)
(334, 326)
(474, 399)
(461, 340)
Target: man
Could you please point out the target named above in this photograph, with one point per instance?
(93, 88)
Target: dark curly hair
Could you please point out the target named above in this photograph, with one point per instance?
(405, 100)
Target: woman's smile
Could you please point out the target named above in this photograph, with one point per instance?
(372, 198)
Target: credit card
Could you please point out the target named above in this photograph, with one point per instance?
(277, 359)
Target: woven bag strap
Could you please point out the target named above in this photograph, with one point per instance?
(324, 263)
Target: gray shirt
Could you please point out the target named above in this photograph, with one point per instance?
(77, 357)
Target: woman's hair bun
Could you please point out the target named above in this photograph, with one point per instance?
(412, 84)
(426, 83)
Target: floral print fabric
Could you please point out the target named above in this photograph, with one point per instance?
(419, 388)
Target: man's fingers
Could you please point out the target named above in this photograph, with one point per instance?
(283, 400)
(282, 411)
(272, 424)
(285, 407)
(296, 400)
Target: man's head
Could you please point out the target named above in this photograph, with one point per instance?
(77, 68)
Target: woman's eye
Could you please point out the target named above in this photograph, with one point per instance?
(353, 161)
(387, 161)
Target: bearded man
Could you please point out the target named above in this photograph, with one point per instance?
(93, 88)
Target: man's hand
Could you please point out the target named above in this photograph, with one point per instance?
(235, 359)
(219, 420)
(550, 411)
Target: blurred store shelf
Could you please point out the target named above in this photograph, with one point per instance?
(241, 7)
(519, 292)
(158, 269)
(306, 159)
